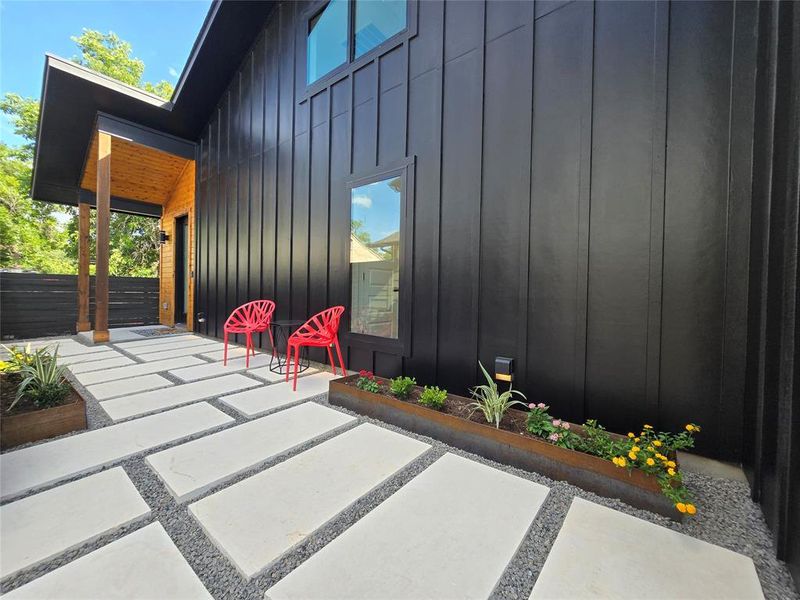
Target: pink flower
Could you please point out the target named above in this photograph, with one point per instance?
(531, 406)
(565, 425)
(541, 405)
(553, 437)
(556, 422)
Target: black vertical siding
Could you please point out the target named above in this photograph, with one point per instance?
(581, 198)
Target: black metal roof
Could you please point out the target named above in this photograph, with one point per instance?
(73, 95)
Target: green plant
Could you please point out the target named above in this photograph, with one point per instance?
(598, 442)
(17, 358)
(43, 380)
(559, 432)
(491, 402)
(401, 386)
(366, 381)
(433, 397)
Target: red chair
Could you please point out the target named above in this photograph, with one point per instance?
(321, 330)
(250, 318)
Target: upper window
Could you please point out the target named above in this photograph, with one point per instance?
(327, 40)
(375, 240)
(376, 22)
(335, 37)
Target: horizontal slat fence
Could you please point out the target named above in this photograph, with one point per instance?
(36, 305)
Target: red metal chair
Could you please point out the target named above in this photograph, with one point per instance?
(250, 318)
(321, 330)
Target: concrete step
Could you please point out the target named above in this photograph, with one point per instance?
(254, 403)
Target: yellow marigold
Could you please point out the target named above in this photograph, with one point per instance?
(650, 462)
(621, 462)
(657, 443)
(636, 449)
(690, 508)
(681, 507)
(648, 426)
(632, 455)
(630, 434)
(671, 472)
(671, 463)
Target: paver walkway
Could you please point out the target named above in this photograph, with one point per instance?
(266, 470)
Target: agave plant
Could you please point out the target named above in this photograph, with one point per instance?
(43, 380)
(491, 402)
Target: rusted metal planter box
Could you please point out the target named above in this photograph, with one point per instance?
(583, 470)
(43, 424)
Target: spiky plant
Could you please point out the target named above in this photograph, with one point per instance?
(491, 402)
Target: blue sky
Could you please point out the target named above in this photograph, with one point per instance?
(161, 33)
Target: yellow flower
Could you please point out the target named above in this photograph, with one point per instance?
(657, 443)
(636, 439)
(632, 455)
(630, 434)
(621, 461)
(671, 472)
(681, 507)
(651, 449)
(648, 426)
(650, 462)
(635, 449)
(690, 508)
(690, 427)
(671, 463)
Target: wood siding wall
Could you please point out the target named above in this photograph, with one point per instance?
(581, 201)
(181, 202)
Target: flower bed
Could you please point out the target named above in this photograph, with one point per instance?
(457, 422)
(36, 400)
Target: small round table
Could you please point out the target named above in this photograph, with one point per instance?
(281, 330)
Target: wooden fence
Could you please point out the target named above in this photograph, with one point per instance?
(35, 305)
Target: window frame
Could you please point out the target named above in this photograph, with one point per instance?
(401, 345)
(352, 63)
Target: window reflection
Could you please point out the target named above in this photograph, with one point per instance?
(377, 21)
(327, 40)
(375, 257)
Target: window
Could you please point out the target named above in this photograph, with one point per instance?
(336, 36)
(376, 22)
(375, 246)
(327, 40)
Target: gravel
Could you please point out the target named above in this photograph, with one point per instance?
(727, 517)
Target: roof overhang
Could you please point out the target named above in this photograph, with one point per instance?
(76, 101)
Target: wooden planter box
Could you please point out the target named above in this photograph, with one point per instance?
(43, 424)
(578, 468)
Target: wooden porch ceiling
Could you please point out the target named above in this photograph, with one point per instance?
(137, 172)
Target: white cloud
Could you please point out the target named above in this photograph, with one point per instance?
(364, 201)
(173, 72)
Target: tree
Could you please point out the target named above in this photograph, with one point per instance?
(106, 53)
(24, 114)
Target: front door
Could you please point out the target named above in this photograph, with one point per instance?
(181, 268)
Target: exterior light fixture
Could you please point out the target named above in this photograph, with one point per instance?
(162, 237)
(503, 368)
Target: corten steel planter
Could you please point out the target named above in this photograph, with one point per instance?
(43, 424)
(583, 470)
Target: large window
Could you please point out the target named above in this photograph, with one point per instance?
(327, 40)
(345, 30)
(375, 240)
(377, 21)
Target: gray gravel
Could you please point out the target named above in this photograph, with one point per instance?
(727, 517)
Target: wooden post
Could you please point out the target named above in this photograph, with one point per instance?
(83, 323)
(101, 255)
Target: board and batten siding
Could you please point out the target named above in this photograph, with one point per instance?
(180, 202)
(581, 198)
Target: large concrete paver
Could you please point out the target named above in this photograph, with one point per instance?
(192, 468)
(603, 553)
(154, 341)
(448, 533)
(124, 387)
(173, 347)
(37, 466)
(99, 365)
(91, 357)
(257, 520)
(147, 402)
(233, 352)
(254, 403)
(165, 354)
(259, 366)
(44, 525)
(143, 565)
(138, 369)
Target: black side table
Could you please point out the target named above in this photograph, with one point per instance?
(281, 330)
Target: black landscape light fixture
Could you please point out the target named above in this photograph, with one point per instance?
(162, 237)
(503, 368)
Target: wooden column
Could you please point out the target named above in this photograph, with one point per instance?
(83, 323)
(101, 255)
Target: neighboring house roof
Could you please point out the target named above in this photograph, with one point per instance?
(72, 97)
(393, 239)
(360, 252)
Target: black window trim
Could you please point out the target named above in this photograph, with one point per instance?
(401, 345)
(352, 64)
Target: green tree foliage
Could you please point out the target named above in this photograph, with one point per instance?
(30, 235)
